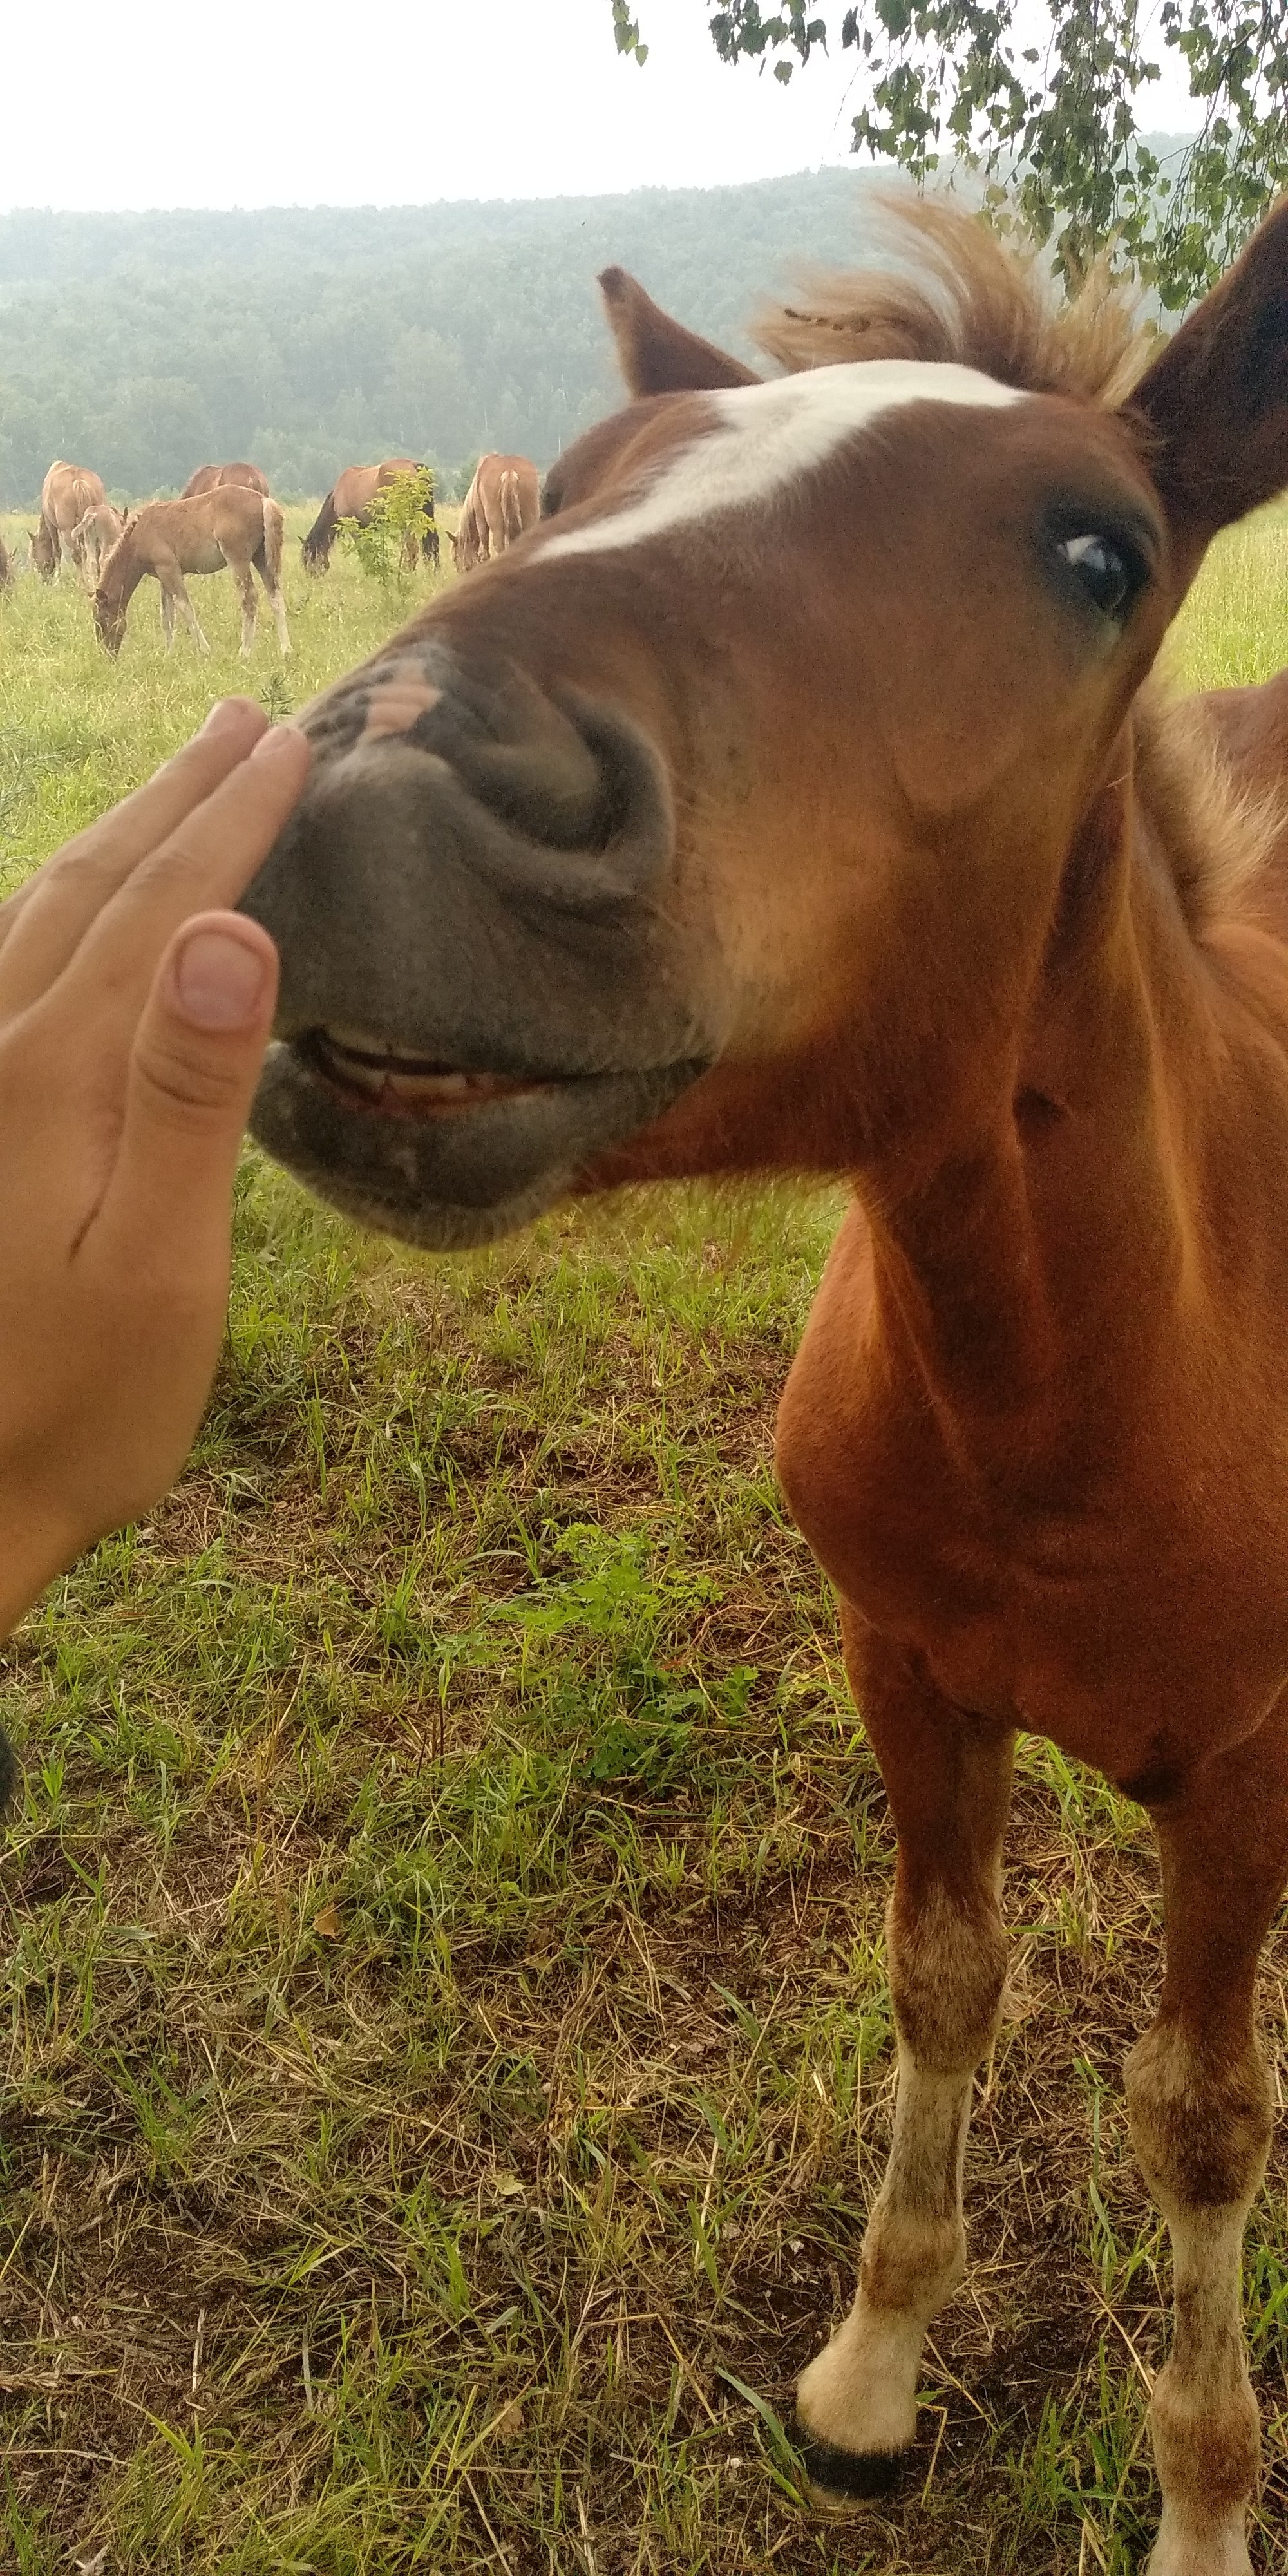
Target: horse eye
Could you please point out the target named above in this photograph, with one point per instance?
(1112, 575)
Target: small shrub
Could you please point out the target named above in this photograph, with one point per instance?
(389, 546)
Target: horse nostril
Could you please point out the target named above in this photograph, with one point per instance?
(556, 771)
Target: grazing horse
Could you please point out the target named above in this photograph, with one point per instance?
(503, 501)
(230, 529)
(210, 478)
(798, 798)
(67, 493)
(44, 554)
(92, 540)
(468, 539)
(351, 496)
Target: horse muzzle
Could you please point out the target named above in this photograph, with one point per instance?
(484, 982)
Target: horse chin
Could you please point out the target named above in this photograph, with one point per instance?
(458, 1160)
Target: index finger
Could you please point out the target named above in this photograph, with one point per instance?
(206, 863)
(42, 924)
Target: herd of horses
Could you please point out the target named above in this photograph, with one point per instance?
(226, 520)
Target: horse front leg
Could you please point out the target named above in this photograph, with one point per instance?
(949, 1782)
(167, 619)
(1199, 2102)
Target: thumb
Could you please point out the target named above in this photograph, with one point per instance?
(196, 1058)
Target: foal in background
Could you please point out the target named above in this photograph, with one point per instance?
(92, 540)
(210, 478)
(229, 529)
(67, 493)
(351, 497)
(44, 557)
(504, 499)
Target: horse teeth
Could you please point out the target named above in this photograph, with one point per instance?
(363, 1077)
(390, 1073)
(401, 1078)
(415, 1087)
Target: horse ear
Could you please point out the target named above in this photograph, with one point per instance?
(1214, 404)
(655, 354)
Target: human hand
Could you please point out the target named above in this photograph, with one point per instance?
(133, 1023)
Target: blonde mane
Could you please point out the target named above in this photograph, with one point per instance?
(1218, 831)
(958, 294)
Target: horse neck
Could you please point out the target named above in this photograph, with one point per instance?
(122, 572)
(1031, 1225)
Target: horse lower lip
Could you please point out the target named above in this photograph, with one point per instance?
(451, 1179)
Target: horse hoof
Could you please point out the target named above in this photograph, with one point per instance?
(839, 2480)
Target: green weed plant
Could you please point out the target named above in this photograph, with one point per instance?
(387, 545)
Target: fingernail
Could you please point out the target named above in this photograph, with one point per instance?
(279, 738)
(225, 713)
(220, 980)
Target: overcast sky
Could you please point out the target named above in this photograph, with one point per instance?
(159, 105)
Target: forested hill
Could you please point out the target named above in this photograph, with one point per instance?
(306, 338)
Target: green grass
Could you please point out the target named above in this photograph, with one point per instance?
(448, 2045)
(1235, 628)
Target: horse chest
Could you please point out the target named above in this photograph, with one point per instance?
(1093, 1610)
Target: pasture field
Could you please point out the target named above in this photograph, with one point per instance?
(448, 2051)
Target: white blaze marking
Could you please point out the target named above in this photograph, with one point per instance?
(768, 436)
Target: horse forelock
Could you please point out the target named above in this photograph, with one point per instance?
(956, 294)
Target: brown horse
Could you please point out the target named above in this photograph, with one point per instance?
(503, 501)
(67, 493)
(210, 478)
(92, 540)
(44, 554)
(6, 569)
(351, 496)
(796, 797)
(468, 539)
(230, 529)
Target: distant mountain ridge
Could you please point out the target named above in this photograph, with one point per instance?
(311, 337)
